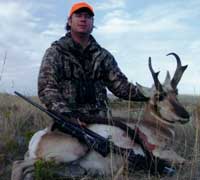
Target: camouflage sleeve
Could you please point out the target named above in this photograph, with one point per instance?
(48, 90)
(118, 83)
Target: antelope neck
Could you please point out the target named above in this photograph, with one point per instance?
(153, 121)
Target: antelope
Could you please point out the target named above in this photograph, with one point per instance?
(161, 113)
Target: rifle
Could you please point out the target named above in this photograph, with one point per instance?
(103, 145)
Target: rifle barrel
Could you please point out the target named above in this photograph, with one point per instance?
(36, 105)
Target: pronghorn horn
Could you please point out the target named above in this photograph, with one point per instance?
(179, 71)
(155, 77)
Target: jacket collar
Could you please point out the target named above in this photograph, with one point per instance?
(67, 43)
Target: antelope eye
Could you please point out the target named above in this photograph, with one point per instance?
(162, 96)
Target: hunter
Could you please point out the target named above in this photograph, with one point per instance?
(76, 70)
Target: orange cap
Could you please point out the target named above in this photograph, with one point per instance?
(80, 5)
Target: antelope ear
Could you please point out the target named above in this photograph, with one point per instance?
(167, 83)
(147, 92)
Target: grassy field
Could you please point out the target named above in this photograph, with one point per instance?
(19, 120)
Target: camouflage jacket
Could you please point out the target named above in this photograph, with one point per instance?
(73, 78)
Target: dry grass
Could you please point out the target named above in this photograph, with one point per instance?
(19, 120)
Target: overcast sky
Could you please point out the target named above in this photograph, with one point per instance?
(132, 30)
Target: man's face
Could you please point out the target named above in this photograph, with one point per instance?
(81, 22)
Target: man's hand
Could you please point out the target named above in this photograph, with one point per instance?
(74, 117)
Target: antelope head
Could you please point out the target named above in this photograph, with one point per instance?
(164, 104)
